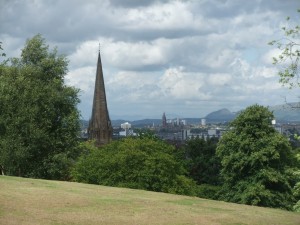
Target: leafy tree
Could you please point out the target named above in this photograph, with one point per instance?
(142, 163)
(289, 72)
(296, 191)
(202, 163)
(289, 57)
(255, 161)
(39, 122)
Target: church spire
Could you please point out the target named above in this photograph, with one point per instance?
(100, 127)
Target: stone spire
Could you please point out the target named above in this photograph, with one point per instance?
(100, 127)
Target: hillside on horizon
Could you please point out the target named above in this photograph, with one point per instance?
(289, 112)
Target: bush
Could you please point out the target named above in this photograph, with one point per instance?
(208, 191)
(143, 163)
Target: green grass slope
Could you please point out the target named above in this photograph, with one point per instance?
(31, 201)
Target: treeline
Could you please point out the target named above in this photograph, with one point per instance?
(39, 129)
(252, 164)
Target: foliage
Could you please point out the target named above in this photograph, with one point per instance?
(255, 161)
(289, 57)
(1, 54)
(142, 163)
(289, 73)
(296, 190)
(39, 122)
(146, 133)
(208, 191)
(202, 163)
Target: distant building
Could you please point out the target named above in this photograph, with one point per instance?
(203, 122)
(126, 126)
(217, 132)
(164, 120)
(124, 131)
(170, 122)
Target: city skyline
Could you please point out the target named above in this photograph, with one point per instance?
(185, 57)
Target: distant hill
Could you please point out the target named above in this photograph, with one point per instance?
(135, 123)
(222, 115)
(145, 122)
(117, 123)
(289, 112)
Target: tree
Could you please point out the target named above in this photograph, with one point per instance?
(255, 161)
(203, 166)
(296, 190)
(202, 163)
(289, 72)
(141, 163)
(289, 57)
(39, 122)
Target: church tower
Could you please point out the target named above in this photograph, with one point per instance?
(164, 120)
(100, 128)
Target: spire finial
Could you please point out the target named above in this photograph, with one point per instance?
(99, 47)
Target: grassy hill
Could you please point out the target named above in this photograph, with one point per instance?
(32, 201)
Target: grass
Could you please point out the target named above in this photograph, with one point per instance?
(33, 201)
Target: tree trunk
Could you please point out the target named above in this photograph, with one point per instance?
(2, 170)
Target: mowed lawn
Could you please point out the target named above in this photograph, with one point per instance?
(33, 201)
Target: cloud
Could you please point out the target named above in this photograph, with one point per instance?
(182, 57)
(131, 3)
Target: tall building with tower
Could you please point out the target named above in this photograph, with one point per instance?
(164, 120)
(100, 128)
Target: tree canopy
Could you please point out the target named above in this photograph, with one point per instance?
(39, 121)
(142, 163)
(255, 161)
(202, 163)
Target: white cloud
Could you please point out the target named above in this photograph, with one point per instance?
(134, 55)
(82, 78)
(184, 57)
(267, 58)
(175, 83)
(219, 79)
(169, 15)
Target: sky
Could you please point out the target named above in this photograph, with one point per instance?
(184, 58)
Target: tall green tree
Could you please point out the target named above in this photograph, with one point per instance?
(255, 161)
(39, 121)
(141, 163)
(289, 72)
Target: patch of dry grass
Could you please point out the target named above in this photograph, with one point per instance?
(31, 201)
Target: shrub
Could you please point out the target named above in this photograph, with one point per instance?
(142, 163)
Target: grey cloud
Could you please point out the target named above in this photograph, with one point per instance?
(203, 37)
(132, 3)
